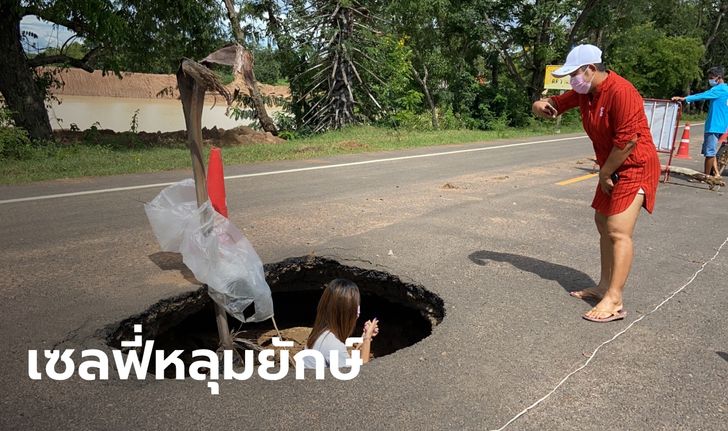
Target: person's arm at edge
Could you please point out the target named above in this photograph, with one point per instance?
(544, 108)
(365, 349)
(552, 106)
(705, 95)
(370, 327)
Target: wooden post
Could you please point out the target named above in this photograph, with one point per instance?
(558, 118)
(192, 93)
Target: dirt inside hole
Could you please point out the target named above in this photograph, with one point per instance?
(407, 312)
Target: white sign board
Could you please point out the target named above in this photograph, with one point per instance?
(662, 116)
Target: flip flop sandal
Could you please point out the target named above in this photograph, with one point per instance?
(619, 315)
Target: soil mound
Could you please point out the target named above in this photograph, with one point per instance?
(244, 135)
(214, 137)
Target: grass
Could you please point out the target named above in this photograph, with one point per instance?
(78, 160)
(700, 116)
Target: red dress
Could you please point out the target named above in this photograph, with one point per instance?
(612, 116)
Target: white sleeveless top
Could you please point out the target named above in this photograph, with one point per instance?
(325, 343)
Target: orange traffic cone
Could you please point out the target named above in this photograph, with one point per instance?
(683, 150)
(216, 182)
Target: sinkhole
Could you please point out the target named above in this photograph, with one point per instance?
(407, 312)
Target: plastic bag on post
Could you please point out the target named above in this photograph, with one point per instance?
(169, 211)
(221, 257)
(214, 250)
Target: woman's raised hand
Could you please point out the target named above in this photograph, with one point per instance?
(371, 328)
(542, 108)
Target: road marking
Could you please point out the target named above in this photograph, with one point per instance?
(288, 171)
(617, 335)
(577, 179)
(87, 192)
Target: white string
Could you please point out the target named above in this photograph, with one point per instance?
(593, 354)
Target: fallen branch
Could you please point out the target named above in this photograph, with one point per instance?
(710, 180)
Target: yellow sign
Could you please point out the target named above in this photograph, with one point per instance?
(552, 83)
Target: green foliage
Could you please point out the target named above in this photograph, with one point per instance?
(224, 73)
(74, 50)
(365, 61)
(449, 121)
(286, 124)
(6, 117)
(134, 127)
(659, 66)
(243, 107)
(268, 65)
(399, 101)
(160, 32)
(94, 136)
(14, 141)
(137, 35)
(409, 120)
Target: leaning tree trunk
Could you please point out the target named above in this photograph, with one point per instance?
(539, 62)
(250, 82)
(247, 70)
(17, 84)
(422, 80)
(716, 26)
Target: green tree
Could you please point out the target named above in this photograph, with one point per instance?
(658, 65)
(135, 35)
(268, 65)
(420, 25)
(254, 97)
(393, 90)
(74, 50)
(701, 19)
(336, 86)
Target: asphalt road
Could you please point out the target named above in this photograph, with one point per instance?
(501, 244)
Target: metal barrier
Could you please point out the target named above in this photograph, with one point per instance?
(663, 117)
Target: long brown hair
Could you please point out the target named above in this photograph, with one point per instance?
(336, 311)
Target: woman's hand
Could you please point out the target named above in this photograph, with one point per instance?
(678, 99)
(371, 329)
(606, 183)
(544, 109)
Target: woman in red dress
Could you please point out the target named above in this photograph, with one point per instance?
(613, 116)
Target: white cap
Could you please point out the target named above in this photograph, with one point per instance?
(579, 56)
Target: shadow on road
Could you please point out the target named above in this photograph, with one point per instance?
(569, 278)
(690, 184)
(723, 355)
(588, 170)
(168, 261)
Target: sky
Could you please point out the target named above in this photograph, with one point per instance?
(49, 35)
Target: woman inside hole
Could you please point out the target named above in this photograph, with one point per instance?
(336, 316)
